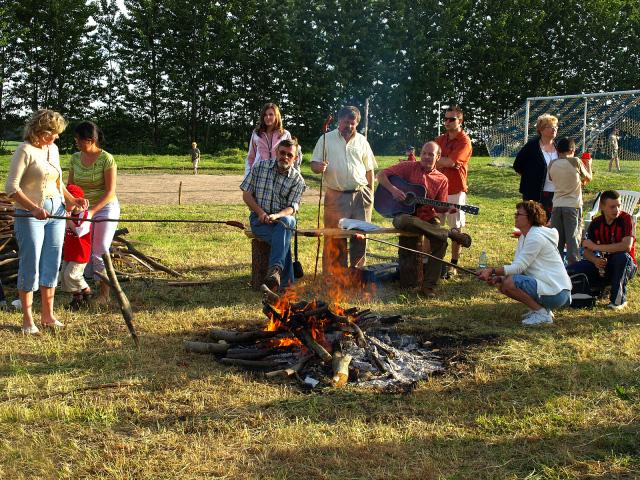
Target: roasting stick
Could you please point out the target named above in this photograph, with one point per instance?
(361, 233)
(232, 223)
(466, 270)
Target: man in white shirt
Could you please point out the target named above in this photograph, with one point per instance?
(345, 159)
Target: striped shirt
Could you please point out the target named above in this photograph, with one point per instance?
(602, 233)
(91, 178)
(274, 191)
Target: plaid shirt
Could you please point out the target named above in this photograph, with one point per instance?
(274, 191)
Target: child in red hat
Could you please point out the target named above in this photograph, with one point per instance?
(76, 252)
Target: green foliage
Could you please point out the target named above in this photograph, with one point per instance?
(160, 75)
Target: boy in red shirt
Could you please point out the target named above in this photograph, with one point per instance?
(76, 253)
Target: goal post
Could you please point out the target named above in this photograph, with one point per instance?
(590, 119)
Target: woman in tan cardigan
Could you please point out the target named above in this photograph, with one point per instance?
(35, 183)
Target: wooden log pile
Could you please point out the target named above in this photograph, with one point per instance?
(309, 340)
(8, 245)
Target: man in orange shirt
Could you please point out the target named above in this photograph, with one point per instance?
(456, 152)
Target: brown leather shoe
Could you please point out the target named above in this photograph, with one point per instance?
(272, 280)
(462, 238)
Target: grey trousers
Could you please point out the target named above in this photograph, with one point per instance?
(356, 205)
(437, 238)
(568, 222)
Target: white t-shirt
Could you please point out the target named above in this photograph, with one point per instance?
(548, 158)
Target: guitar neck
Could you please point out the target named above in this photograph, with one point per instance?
(437, 203)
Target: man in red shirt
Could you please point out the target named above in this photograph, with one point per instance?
(425, 219)
(609, 250)
(456, 152)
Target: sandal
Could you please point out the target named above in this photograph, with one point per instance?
(32, 330)
(55, 325)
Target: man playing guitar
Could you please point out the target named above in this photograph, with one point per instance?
(425, 220)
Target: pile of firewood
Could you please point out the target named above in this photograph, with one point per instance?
(313, 341)
(8, 245)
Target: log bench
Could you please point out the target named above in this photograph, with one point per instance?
(410, 264)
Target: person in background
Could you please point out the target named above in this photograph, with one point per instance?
(537, 276)
(95, 171)
(614, 138)
(609, 250)
(195, 157)
(532, 163)
(456, 149)
(273, 190)
(35, 183)
(568, 174)
(266, 137)
(411, 154)
(76, 253)
(348, 175)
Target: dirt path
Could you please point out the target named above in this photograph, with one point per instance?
(163, 189)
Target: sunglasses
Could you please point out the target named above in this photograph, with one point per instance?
(450, 119)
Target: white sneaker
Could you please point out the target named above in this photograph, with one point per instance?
(530, 312)
(538, 317)
(613, 306)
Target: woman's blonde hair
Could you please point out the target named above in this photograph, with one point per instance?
(544, 120)
(43, 122)
(261, 127)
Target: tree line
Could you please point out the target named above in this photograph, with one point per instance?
(161, 74)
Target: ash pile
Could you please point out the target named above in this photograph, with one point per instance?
(323, 345)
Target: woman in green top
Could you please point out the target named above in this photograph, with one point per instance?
(95, 170)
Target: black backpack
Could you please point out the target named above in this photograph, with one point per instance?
(581, 293)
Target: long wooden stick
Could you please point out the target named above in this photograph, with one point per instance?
(466, 270)
(325, 126)
(123, 301)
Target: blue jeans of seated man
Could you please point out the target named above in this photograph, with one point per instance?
(619, 270)
(40, 247)
(279, 237)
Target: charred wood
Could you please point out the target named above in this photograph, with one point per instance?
(252, 364)
(232, 336)
(206, 347)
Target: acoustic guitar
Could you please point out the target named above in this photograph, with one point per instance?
(389, 207)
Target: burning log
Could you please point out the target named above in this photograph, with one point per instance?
(318, 349)
(231, 336)
(340, 366)
(206, 347)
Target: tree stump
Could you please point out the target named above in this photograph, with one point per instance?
(260, 251)
(410, 264)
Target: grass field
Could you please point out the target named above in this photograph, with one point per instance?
(555, 402)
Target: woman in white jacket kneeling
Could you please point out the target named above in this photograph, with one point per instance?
(537, 276)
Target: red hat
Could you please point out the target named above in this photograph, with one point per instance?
(586, 156)
(75, 190)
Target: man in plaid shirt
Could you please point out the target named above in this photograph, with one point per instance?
(272, 191)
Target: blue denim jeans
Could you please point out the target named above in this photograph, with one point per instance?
(619, 270)
(529, 285)
(279, 237)
(40, 247)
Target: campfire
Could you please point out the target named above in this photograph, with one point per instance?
(322, 344)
